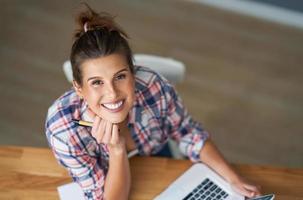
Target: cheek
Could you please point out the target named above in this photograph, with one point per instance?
(130, 86)
(129, 90)
(93, 98)
(131, 100)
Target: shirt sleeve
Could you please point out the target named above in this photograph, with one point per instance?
(181, 127)
(83, 168)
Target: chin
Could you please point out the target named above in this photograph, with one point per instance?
(114, 119)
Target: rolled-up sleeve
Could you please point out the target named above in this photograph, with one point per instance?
(71, 145)
(83, 168)
(189, 134)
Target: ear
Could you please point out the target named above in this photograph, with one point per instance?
(78, 89)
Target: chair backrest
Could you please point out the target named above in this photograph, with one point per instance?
(173, 70)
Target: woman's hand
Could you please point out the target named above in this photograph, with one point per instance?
(117, 184)
(211, 156)
(106, 132)
(102, 130)
(245, 188)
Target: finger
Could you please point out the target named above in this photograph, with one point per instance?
(101, 131)
(115, 134)
(108, 133)
(95, 127)
(253, 188)
(241, 190)
(91, 113)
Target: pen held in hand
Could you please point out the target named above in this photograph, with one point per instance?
(83, 123)
(86, 123)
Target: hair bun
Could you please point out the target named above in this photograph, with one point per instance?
(88, 20)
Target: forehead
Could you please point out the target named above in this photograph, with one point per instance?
(105, 66)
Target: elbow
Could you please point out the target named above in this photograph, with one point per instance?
(117, 193)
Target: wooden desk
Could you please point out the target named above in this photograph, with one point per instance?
(33, 173)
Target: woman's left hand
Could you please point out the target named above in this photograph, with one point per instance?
(246, 188)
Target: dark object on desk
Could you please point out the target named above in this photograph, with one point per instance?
(265, 197)
(164, 152)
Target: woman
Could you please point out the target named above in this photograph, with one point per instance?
(131, 107)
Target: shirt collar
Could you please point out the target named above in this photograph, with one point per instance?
(83, 111)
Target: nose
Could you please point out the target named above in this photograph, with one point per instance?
(111, 91)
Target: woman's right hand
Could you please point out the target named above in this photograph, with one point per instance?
(117, 182)
(106, 132)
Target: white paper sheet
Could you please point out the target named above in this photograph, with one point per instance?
(70, 191)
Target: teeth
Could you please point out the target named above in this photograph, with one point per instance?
(114, 105)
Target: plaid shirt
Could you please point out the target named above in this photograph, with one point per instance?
(157, 114)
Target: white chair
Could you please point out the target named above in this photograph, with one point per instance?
(173, 70)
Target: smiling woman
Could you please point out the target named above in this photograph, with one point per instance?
(132, 109)
(107, 87)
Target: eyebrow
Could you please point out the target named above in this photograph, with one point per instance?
(122, 70)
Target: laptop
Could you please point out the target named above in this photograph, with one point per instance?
(199, 182)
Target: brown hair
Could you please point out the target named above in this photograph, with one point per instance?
(100, 37)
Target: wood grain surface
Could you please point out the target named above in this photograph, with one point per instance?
(29, 173)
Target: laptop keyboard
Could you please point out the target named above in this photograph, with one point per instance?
(207, 190)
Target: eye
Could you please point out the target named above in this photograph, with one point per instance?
(120, 77)
(96, 82)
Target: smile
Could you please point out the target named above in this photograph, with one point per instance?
(114, 107)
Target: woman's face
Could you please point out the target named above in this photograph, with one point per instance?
(108, 87)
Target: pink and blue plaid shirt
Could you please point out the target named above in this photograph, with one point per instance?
(157, 114)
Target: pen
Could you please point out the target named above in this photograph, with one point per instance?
(83, 123)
